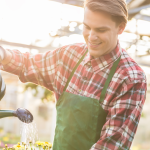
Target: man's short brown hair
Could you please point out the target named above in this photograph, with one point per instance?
(116, 8)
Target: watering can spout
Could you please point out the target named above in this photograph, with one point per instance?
(7, 113)
(23, 114)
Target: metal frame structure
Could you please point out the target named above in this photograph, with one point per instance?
(134, 8)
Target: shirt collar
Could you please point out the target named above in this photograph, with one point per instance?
(103, 61)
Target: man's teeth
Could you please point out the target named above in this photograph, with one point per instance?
(95, 44)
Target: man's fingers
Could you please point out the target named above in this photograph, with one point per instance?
(2, 53)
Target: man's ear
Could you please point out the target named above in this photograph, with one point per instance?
(121, 28)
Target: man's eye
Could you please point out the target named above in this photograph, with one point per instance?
(101, 31)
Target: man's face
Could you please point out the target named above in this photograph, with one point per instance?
(100, 32)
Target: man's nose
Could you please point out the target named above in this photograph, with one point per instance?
(92, 36)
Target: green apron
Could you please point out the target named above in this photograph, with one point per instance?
(79, 118)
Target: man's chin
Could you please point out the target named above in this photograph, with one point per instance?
(94, 53)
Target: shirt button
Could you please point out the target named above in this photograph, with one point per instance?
(89, 64)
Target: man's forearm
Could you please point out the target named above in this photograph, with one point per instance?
(7, 56)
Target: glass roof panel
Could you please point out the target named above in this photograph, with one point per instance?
(145, 12)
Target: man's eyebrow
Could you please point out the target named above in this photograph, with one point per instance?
(102, 27)
(85, 24)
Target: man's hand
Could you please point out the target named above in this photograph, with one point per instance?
(2, 53)
(5, 56)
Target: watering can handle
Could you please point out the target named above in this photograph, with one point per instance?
(2, 87)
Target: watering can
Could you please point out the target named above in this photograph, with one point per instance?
(23, 114)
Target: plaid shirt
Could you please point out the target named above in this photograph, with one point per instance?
(124, 98)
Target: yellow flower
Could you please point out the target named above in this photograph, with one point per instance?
(39, 143)
(48, 144)
(44, 146)
(5, 139)
(18, 147)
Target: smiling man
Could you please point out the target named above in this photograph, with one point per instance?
(100, 90)
(100, 32)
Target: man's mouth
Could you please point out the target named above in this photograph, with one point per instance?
(94, 45)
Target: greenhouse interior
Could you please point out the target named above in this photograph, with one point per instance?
(37, 26)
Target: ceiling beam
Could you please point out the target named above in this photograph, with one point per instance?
(138, 9)
(128, 1)
(142, 17)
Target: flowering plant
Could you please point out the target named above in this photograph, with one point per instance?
(36, 146)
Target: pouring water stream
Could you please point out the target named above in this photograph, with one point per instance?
(28, 133)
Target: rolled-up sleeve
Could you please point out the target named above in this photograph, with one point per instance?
(123, 117)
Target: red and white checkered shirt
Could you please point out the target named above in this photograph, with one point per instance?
(124, 98)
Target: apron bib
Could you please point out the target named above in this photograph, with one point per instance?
(79, 118)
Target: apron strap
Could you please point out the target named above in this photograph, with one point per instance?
(111, 74)
(72, 73)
